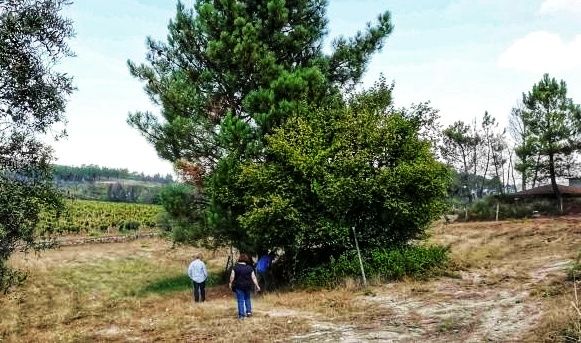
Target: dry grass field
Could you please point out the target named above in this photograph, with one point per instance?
(508, 282)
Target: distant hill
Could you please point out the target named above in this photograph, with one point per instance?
(91, 182)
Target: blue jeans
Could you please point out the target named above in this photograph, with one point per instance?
(243, 299)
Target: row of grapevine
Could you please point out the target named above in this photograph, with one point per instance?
(84, 216)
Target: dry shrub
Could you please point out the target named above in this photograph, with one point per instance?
(561, 320)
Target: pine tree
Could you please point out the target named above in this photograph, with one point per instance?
(232, 70)
(230, 73)
(460, 149)
(554, 122)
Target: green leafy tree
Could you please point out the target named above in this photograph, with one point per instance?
(362, 166)
(183, 203)
(32, 100)
(460, 150)
(498, 149)
(526, 152)
(554, 121)
(489, 125)
(230, 73)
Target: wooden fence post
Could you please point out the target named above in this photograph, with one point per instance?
(360, 259)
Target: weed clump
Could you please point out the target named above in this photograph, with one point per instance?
(417, 262)
(574, 272)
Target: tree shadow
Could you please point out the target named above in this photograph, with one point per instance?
(178, 283)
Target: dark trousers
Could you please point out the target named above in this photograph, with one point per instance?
(199, 291)
(264, 280)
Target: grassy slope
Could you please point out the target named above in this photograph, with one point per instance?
(509, 285)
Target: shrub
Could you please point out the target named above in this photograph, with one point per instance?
(129, 225)
(574, 272)
(385, 264)
(485, 209)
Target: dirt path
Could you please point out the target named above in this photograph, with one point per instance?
(491, 301)
(462, 309)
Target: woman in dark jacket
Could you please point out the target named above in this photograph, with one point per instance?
(242, 281)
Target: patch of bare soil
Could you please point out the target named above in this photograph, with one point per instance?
(492, 297)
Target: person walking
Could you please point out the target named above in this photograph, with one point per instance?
(198, 274)
(263, 270)
(242, 281)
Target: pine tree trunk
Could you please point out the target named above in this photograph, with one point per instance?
(484, 175)
(554, 182)
(537, 166)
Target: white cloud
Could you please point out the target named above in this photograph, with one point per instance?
(563, 6)
(541, 52)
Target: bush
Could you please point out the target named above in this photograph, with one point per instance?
(485, 209)
(574, 272)
(386, 264)
(129, 225)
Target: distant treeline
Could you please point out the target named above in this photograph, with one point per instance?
(92, 173)
(91, 182)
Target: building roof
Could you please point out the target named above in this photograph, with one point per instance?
(546, 191)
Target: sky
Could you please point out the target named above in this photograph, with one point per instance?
(464, 56)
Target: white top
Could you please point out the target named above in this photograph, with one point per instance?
(197, 271)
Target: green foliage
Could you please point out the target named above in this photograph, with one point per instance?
(551, 129)
(328, 170)
(485, 209)
(32, 101)
(459, 150)
(574, 272)
(130, 225)
(291, 157)
(91, 182)
(525, 150)
(228, 62)
(96, 173)
(386, 264)
(82, 216)
(231, 73)
(183, 205)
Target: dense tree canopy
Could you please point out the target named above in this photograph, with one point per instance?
(331, 169)
(231, 70)
(32, 100)
(263, 124)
